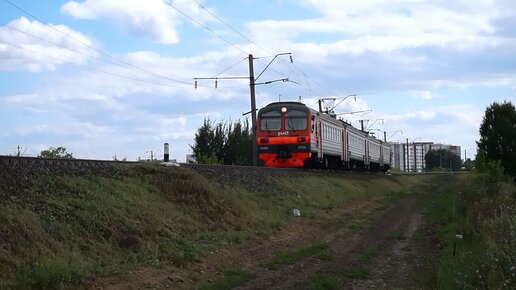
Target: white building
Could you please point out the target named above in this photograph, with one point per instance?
(410, 157)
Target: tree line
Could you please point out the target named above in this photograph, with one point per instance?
(223, 143)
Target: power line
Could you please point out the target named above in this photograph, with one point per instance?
(92, 47)
(62, 46)
(308, 88)
(204, 26)
(89, 67)
(229, 26)
(230, 67)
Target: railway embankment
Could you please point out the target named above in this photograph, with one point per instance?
(102, 225)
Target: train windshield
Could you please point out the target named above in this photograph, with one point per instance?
(270, 121)
(295, 120)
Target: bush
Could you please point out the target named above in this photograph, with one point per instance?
(490, 230)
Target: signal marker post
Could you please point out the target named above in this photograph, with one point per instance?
(166, 156)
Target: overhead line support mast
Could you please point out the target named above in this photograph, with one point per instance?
(252, 92)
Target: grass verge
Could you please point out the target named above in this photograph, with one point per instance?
(475, 225)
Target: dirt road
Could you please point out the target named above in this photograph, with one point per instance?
(366, 244)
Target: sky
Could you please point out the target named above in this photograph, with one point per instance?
(116, 78)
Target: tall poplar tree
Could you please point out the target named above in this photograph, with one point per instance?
(498, 135)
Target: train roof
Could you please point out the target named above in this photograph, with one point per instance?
(325, 116)
(276, 105)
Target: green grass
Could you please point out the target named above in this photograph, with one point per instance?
(369, 254)
(395, 235)
(324, 282)
(60, 230)
(360, 269)
(356, 272)
(317, 250)
(232, 278)
(51, 273)
(479, 210)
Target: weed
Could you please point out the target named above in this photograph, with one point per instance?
(395, 235)
(356, 227)
(476, 233)
(356, 272)
(50, 273)
(324, 282)
(320, 250)
(232, 278)
(369, 254)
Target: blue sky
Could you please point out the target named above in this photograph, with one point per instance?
(105, 78)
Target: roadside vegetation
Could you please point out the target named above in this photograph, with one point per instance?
(475, 225)
(475, 221)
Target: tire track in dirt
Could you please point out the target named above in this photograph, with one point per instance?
(346, 250)
(248, 255)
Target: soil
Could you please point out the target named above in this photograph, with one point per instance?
(398, 235)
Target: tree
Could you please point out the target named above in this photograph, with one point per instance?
(469, 164)
(203, 148)
(498, 136)
(227, 143)
(59, 152)
(442, 159)
(238, 145)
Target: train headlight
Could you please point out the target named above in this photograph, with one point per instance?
(284, 109)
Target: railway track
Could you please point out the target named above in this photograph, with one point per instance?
(210, 169)
(56, 161)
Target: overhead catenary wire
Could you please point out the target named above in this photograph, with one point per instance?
(204, 26)
(308, 88)
(229, 26)
(96, 70)
(230, 67)
(229, 42)
(134, 67)
(94, 48)
(62, 46)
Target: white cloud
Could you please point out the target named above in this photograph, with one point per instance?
(33, 46)
(152, 18)
(383, 26)
(425, 95)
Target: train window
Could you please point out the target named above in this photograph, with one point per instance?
(270, 121)
(295, 120)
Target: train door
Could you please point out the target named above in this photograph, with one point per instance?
(320, 138)
(366, 153)
(381, 153)
(345, 147)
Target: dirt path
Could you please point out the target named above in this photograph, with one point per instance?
(368, 247)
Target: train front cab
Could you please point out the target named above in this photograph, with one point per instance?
(283, 134)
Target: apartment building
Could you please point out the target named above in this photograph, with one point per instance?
(410, 157)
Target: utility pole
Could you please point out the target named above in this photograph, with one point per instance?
(253, 109)
(252, 85)
(361, 125)
(151, 155)
(415, 157)
(408, 164)
(384, 136)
